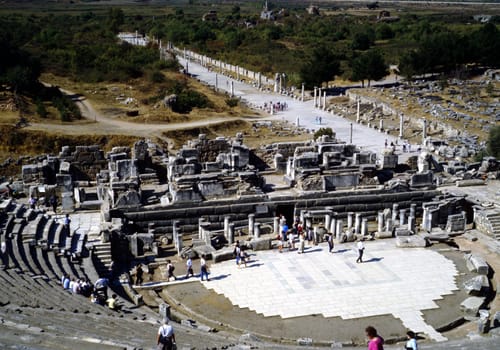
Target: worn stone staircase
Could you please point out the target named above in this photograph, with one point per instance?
(488, 221)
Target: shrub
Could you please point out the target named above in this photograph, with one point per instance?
(232, 102)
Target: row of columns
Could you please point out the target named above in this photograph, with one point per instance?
(206, 61)
(356, 224)
(318, 98)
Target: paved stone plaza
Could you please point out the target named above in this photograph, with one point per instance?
(393, 281)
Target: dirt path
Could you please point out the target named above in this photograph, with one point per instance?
(99, 124)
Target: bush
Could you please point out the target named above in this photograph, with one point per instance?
(188, 99)
(156, 76)
(323, 131)
(494, 142)
(40, 109)
(232, 102)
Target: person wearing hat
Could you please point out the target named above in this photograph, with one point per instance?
(166, 337)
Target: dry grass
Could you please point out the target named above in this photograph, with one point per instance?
(108, 99)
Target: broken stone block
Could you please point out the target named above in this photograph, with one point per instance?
(496, 319)
(476, 263)
(471, 306)
(403, 232)
(476, 284)
(223, 255)
(305, 341)
(248, 337)
(414, 241)
(455, 223)
(261, 243)
(383, 234)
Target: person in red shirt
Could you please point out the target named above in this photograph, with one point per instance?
(375, 342)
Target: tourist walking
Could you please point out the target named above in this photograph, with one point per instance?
(375, 342)
(189, 268)
(237, 253)
(302, 242)
(67, 225)
(203, 268)
(138, 275)
(329, 239)
(165, 339)
(170, 271)
(53, 203)
(361, 249)
(411, 344)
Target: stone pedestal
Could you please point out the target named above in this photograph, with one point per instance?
(251, 223)
(256, 230)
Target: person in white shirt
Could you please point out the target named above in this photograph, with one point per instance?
(361, 249)
(203, 268)
(411, 344)
(166, 336)
(189, 267)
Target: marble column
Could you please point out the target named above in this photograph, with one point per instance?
(340, 229)
(276, 225)
(349, 219)
(364, 227)
(401, 121)
(411, 224)
(251, 224)
(402, 217)
(333, 227)
(389, 225)
(302, 93)
(357, 223)
(395, 208)
(226, 225)
(380, 221)
(230, 235)
(358, 117)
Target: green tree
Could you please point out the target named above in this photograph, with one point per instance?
(493, 143)
(116, 18)
(323, 66)
(369, 66)
(323, 131)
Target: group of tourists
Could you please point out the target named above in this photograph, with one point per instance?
(171, 268)
(97, 292)
(288, 236)
(376, 342)
(275, 107)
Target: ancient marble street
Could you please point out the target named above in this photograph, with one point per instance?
(390, 281)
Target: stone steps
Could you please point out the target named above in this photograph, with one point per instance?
(101, 257)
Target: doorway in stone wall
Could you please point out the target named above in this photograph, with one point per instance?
(287, 210)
